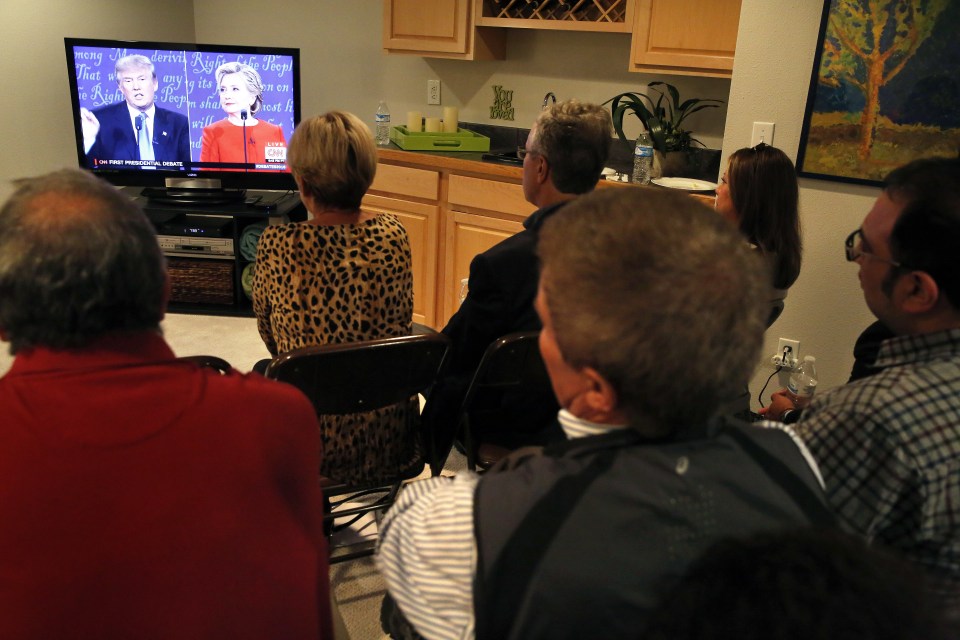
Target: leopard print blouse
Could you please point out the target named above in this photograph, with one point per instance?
(316, 284)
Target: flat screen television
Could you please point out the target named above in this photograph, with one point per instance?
(190, 122)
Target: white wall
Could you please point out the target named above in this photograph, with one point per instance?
(825, 308)
(36, 125)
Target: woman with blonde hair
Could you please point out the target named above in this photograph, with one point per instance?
(343, 275)
(241, 137)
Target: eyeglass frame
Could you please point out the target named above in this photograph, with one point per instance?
(850, 243)
(522, 153)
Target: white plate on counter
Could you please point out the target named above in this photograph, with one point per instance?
(614, 175)
(685, 184)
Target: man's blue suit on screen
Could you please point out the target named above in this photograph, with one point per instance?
(116, 139)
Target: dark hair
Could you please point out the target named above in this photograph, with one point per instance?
(797, 585)
(765, 194)
(78, 259)
(926, 236)
(642, 285)
(575, 139)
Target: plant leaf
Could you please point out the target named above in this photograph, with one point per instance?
(657, 133)
(664, 116)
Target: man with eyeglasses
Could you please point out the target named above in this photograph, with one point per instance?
(888, 445)
(563, 158)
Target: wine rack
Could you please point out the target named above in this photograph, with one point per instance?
(584, 15)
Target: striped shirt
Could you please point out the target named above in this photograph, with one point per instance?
(427, 552)
(889, 450)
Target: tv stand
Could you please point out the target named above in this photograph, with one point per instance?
(180, 196)
(205, 249)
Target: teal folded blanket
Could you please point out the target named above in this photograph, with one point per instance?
(249, 238)
(246, 280)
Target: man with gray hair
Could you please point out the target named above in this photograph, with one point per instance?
(135, 129)
(142, 496)
(647, 298)
(563, 158)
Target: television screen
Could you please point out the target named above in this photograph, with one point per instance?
(181, 115)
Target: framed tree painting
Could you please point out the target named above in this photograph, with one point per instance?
(885, 88)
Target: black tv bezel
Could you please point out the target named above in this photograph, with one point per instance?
(174, 179)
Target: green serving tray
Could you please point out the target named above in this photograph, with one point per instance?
(462, 140)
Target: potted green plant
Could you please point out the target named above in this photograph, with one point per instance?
(663, 116)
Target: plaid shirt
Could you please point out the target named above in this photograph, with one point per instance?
(889, 450)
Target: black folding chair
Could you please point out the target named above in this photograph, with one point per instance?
(209, 362)
(511, 367)
(360, 377)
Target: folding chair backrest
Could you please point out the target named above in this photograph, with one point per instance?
(362, 376)
(511, 361)
(511, 364)
(209, 362)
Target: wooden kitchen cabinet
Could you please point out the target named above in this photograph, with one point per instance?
(481, 213)
(439, 29)
(685, 37)
(468, 235)
(452, 210)
(411, 194)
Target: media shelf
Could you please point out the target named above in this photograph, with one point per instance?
(209, 247)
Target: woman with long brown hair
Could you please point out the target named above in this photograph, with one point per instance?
(759, 194)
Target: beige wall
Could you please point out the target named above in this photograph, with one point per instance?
(825, 308)
(345, 67)
(36, 126)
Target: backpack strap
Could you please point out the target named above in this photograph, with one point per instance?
(521, 556)
(809, 501)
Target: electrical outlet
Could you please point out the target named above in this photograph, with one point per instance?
(788, 354)
(433, 92)
(762, 132)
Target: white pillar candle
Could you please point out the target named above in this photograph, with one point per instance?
(450, 122)
(433, 125)
(414, 121)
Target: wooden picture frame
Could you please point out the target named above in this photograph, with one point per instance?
(873, 106)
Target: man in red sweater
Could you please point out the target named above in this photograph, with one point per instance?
(141, 496)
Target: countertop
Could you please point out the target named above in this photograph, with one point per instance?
(460, 161)
(463, 161)
(472, 162)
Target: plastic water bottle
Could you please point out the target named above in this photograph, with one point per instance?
(803, 383)
(382, 124)
(643, 159)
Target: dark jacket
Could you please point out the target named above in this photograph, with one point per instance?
(503, 285)
(580, 542)
(502, 288)
(116, 139)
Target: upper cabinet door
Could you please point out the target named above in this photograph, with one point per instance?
(685, 37)
(426, 25)
(438, 28)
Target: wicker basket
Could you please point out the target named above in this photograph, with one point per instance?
(205, 281)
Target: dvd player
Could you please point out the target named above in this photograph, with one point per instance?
(198, 226)
(192, 246)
